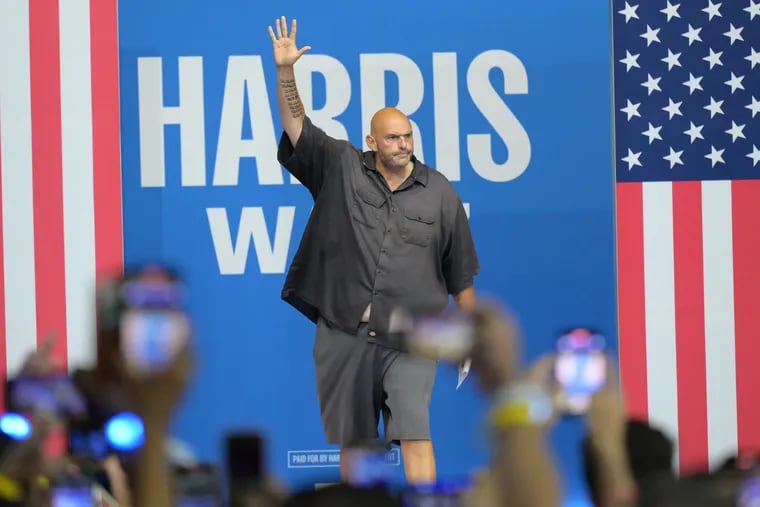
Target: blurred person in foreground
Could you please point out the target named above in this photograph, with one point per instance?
(153, 384)
(28, 469)
(386, 231)
(524, 407)
(628, 463)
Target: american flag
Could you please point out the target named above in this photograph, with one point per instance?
(687, 156)
(60, 181)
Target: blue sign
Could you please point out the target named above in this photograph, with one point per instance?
(331, 458)
(510, 100)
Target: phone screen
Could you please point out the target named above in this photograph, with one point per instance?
(55, 394)
(748, 494)
(151, 339)
(72, 496)
(149, 315)
(88, 442)
(580, 368)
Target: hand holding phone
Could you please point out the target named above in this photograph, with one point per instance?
(142, 318)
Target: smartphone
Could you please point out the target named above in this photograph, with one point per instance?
(245, 462)
(448, 335)
(142, 317)
(72, 496)
(72, 491)
(88, 442)
(152, 338)
(53, 394)
(580, 368)
(748, 493)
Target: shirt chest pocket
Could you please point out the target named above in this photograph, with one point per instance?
(417, 227)
(366, 207)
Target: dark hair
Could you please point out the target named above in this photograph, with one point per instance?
(649, 450)
(343, 495)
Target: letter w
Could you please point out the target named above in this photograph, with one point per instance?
(232, 259)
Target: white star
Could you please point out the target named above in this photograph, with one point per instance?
(736, 131)
(754, 106)
(672, 59)
(674, 157)
(715, 107)
(630, 60)
(693, 83)
(735, 83)
(755, 155)
(694, 132)
(734, 34)
(629, 12)
(673, 108)
(716, 156)
(753, 9)
(693, 34)
(671, 11)
(652, 133)
(712, 9)
(631, 109)
(713, 58)
(651, 35)
(754, 57)
(652, 84)
(632, 159)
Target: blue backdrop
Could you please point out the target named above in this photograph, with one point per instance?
(511, 101)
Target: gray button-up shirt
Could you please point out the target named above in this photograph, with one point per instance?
(364, 244)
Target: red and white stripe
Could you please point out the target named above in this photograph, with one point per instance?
(689, 325)
(60, 172)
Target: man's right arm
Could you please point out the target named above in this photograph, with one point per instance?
(289, 103)
(308, 163)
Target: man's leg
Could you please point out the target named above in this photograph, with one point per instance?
(345, 459)
(344, 365)
(419, 461)
(408, 385)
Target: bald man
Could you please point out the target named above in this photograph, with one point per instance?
(386, 232)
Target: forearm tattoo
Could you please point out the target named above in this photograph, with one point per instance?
(290, 92)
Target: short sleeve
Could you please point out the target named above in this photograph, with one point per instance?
(460, 261)
(309, 160)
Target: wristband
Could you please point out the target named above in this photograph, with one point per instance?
(10, 489)
(520, 404)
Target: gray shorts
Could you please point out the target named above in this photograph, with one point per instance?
(358, 379)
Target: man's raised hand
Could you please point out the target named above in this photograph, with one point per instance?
(286, 52)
